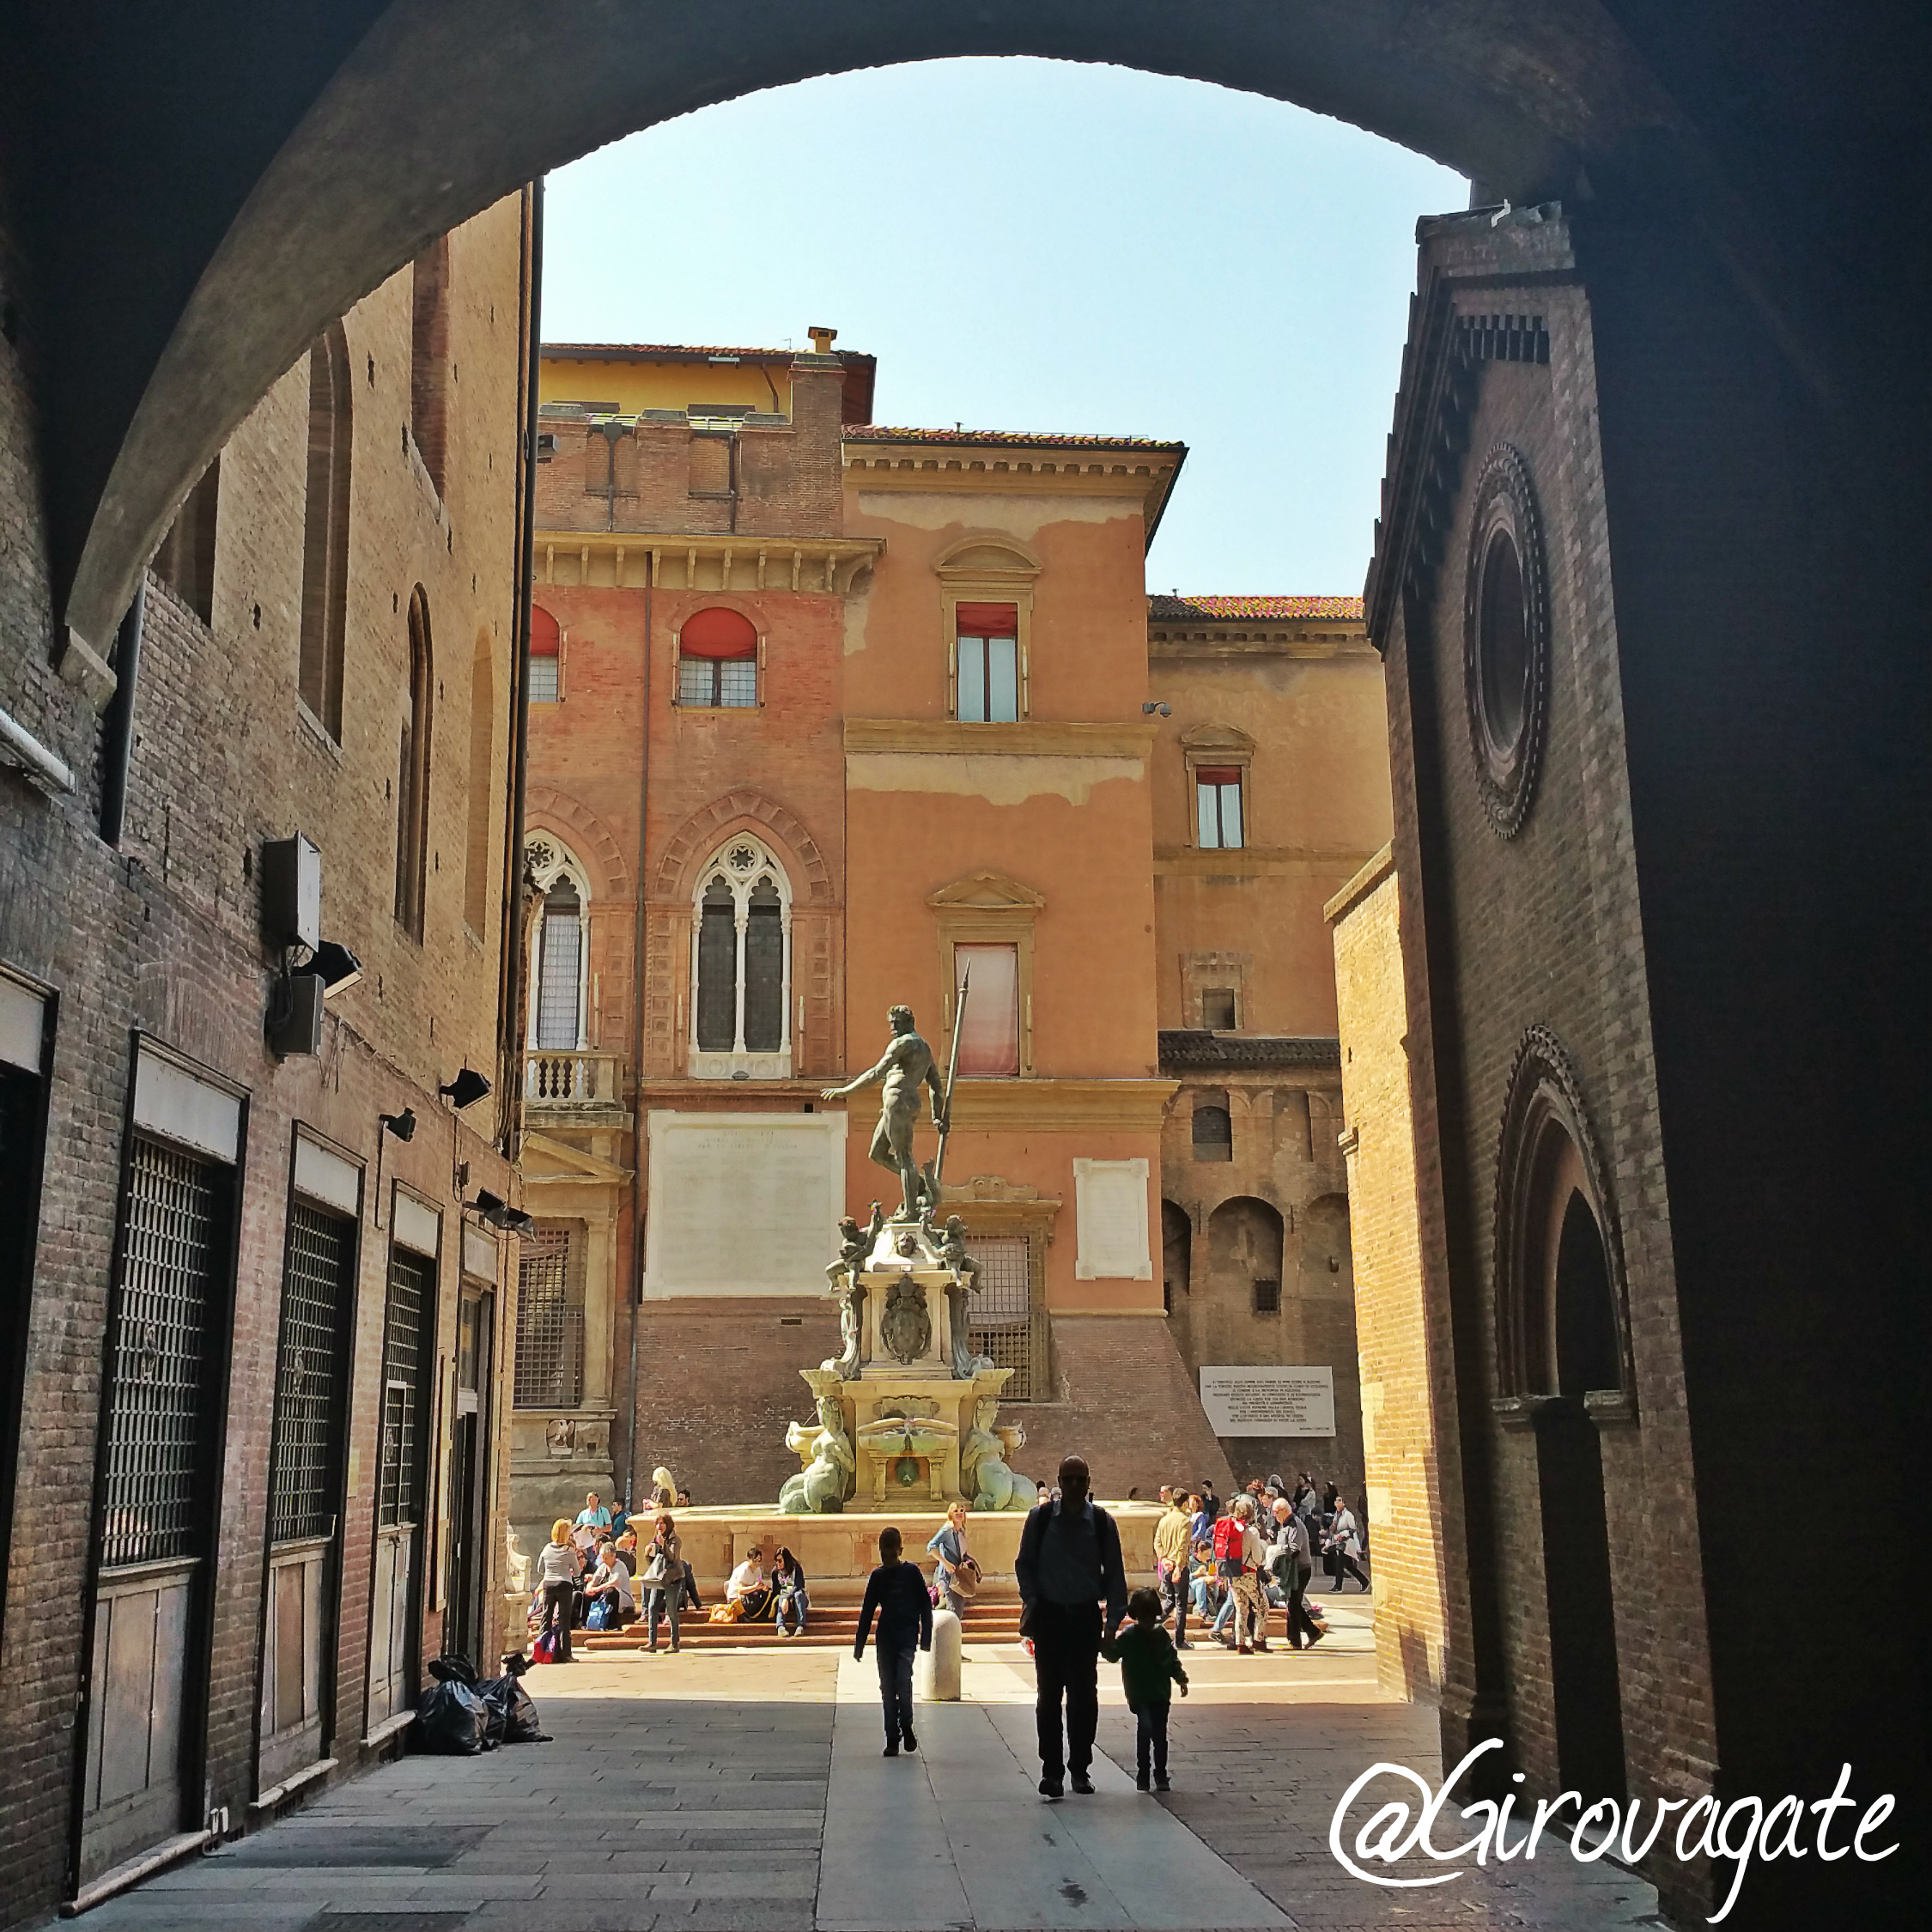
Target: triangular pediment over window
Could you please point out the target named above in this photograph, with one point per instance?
(987, 892)
(547, 1159)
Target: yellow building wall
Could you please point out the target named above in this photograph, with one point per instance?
(1317, 804)
(1399, 1428)
(628, 388)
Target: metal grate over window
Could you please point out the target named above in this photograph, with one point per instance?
(1004, 1323)
(157, 1409)
(549, 1326)
(315, 1298)
(399, 1479)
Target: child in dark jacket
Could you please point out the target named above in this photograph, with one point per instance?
(895, 1593)
(1149, 1666)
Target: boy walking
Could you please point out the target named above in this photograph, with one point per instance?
(1148, 1665)
(895, 1593)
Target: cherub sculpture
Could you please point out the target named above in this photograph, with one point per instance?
(855, 1243)
(983, 1473)
(819, 1490)
(960, 1290)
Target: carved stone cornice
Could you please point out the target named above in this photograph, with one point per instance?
(631, 559)
(995, 1106)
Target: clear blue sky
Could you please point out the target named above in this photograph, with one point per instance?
(1035, 244)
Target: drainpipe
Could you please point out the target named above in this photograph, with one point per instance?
(637, 1071)
(510, 999)
(117, 736)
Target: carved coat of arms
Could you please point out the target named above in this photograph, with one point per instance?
(905, 1325)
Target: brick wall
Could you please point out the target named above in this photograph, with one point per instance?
(162, 937)
(1284, 1161)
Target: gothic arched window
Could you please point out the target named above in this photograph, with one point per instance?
(558, 1008)
(741, 966)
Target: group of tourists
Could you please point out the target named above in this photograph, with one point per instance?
(1229, 1566)
(590, 1574)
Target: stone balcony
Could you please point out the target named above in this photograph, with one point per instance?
(582, 1089)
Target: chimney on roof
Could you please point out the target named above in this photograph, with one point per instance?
(821, 340)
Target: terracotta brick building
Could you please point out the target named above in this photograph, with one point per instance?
(249, 1363)
(829, 713)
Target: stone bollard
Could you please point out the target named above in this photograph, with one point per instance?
(938, 1678)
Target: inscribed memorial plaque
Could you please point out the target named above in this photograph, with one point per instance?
(1110, 1221)
(1269, 1401)
(742, 1204)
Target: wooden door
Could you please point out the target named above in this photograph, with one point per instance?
(147, 1671)
(299, 1624)
(401, 1487)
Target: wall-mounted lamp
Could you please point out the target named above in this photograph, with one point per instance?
(466, 1089)
(403, 1125)
(499, 1213)
(1152, 705)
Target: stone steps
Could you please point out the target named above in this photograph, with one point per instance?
(836, 1624)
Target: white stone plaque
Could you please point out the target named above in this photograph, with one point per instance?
(1269, 1401)
(1110, 1220)
(742, 1204)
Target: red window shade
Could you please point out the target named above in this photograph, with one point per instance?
(1218, 775)
(989, 620)
(718, 633)
(544, 635)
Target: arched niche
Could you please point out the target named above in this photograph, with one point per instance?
(1561, 1305)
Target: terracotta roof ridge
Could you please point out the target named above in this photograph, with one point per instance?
(1219, 606)
(1053, 438)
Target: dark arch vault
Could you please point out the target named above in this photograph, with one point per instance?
(250, 174)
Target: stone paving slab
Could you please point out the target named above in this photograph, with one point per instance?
(698, 1799)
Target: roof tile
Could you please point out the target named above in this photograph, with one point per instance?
(1217, 609)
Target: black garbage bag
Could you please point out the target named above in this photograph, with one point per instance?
(514, 1712)
(453, 1668)
(451, 1721)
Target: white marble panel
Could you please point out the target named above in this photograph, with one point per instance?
(1110, 1212)
(742, 1204)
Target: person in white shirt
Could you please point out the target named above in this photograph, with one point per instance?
(748, 1588)
(558, 1566)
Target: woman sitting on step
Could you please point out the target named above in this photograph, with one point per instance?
(748, 1597)
(789, 1602)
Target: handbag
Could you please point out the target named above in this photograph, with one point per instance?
(598, 1615)
(655, 1574)
(966, 1578)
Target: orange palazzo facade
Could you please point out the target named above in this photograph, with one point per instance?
(827, 717)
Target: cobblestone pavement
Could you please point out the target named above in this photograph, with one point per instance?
(692, 1792)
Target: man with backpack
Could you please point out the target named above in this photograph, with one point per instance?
(1238, 1556)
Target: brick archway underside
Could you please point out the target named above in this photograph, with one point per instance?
(265, 180)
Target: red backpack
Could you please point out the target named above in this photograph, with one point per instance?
(1227, 1544)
